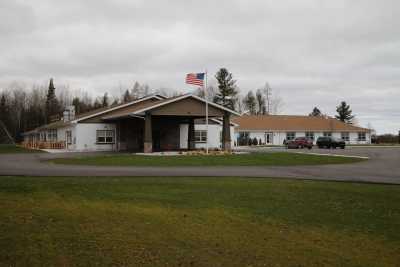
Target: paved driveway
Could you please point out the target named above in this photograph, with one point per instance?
(383, 167)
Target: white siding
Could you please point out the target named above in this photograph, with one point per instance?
(86, 137)
(61, 136)
(214, 132)
(279, 137)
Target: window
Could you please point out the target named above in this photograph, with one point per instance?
(200, 136)
(290, 136)
(105, 136)
(69, 137)
(345, 136)
(310, 135)
(327, 134)
(52, 135)
(43, 136)
(361, 136)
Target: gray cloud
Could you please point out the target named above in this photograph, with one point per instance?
(313, 53)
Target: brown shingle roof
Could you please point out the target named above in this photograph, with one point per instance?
(293, 123)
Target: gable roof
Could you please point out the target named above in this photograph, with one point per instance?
(293, 123)
(93, 113)
(164, 102)
(175, 99)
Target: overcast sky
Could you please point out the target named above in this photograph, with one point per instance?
(312, 53)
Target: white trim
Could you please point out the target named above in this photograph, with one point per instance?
(183, 97)
(118, 107)
(217, 120)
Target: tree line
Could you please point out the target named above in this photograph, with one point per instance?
(23, 109)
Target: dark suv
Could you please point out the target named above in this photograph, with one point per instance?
(300, 142)
(330, 142)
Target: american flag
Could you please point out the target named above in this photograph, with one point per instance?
(195, 78)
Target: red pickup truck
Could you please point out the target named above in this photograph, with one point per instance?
(300, 142)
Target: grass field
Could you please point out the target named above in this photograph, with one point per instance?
(197, 222)
(6, 149)
(256, 159)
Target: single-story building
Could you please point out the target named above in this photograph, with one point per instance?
(152, 123)
(275, 129)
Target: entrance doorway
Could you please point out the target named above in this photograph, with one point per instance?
(268, 138)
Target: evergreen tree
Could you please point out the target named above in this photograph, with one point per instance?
(3, 108)
(104, 100)
(127, 96)
(52, 106)
(260, 102)
(344, 113)
(250, 103)
(315, 113)
(226, 89)
(76, 102)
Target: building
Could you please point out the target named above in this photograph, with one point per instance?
(157, 123)
(275, 129)
(152, 123)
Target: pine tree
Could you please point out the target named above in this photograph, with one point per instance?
(227, 89)
(52, 106)
(344, 113)
(127, 96)
(250, 103)
(315, 113)
(3, 108)
(260, 102)
(104, 100)
(76, 102)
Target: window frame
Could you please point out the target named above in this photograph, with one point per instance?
(52, 135)
(105, 134)
(345, 136)
(362, 134)
(200, 136)
(290, 133)
(312, 134)
(327, 134)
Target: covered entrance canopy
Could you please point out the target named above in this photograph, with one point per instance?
(155, 125)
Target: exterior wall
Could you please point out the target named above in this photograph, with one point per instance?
(85, 134)
(214, 133)
(279, 137)
(61, 136)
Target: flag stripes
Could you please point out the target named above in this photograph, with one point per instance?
(195, 79)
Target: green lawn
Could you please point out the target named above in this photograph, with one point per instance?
(7, 149)
(255, 159)
(197, 222)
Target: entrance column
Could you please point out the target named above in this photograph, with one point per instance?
(148, 134)
(191, 138)
(226, 132)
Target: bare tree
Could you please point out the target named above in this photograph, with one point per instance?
(273, 102)
(211, 92)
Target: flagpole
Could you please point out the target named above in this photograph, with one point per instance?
(206, 96)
